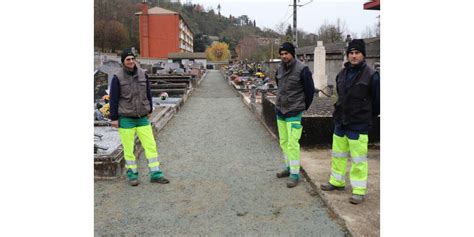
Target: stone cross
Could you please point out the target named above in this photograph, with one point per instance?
(319, 76)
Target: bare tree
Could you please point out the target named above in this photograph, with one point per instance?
(246, 47)
(289, 34)
(373, 31)
(354, 35)
(305, 39)
(377, 27)
(341, 26)
(331, 33)
(99, 34)
(116, 34)
(368, 32)
(280, 28)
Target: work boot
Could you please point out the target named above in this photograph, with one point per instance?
(330, 187)
(356, 199)
(157, 177)
(132, 178)
(283, 174)
(293, 181)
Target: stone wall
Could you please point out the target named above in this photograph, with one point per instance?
(334, 65)
(317, 121)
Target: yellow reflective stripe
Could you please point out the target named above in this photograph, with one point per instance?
(359, 159)
(359, 183)
(337, 176)
(340, 154)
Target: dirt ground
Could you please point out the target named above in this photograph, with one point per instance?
(221, 163)
(362, 219)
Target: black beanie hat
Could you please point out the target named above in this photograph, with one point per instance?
(289, 47)
(126, 53)
(356, 44)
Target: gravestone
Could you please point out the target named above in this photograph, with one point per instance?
(319, 76)
(110, 67)
(100, 85)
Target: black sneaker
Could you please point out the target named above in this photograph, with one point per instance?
(283, 174)
(330, 187)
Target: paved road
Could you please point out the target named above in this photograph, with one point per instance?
(221, 163)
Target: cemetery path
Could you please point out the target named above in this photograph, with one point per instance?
(221, 163)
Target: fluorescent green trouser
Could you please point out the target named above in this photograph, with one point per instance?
(289, 131)
(341, 146)
(145, 135)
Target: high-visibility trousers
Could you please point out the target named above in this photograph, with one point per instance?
(128, 128)
(356, 146)
(289, 132)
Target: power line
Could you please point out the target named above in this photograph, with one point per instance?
(295, 29)
(287, 11)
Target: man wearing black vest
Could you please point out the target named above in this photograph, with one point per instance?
(294, 95)
(358, 89)
(130, 106)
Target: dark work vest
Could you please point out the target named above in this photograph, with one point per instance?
(354, 106)
(133, 100)
(290, 93)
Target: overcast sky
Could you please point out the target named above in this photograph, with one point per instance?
(269, 13)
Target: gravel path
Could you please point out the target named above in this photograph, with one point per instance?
(221, 163)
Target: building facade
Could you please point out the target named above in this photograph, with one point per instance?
(162, 32)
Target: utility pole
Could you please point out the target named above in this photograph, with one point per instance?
(295, 30)
(295, 33)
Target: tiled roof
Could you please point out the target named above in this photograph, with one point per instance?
(157, 11)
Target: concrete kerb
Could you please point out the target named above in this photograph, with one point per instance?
(326, 201)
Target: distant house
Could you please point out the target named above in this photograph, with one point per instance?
(213, 39)
(266, 41)
(163, 31)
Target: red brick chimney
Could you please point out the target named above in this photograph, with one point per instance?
(144, 40)
(144, 7)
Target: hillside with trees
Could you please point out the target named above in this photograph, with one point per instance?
(116, 27)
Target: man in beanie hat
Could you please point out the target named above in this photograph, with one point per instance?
(356, 44)
(358, 89)
(130, 106)
(294, 95)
